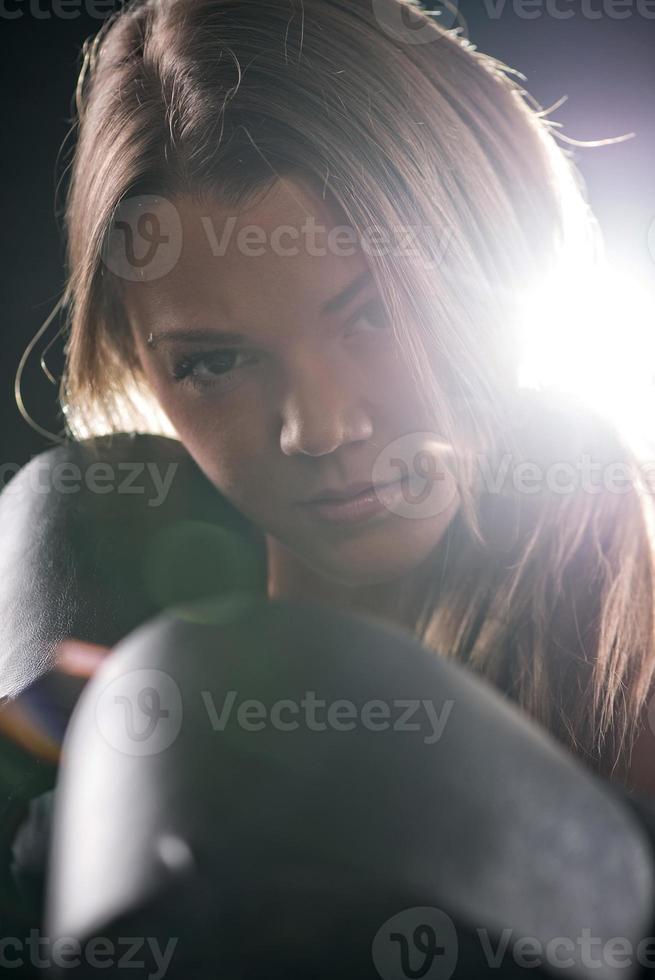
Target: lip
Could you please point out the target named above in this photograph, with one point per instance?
(354, 504)
(345, 493)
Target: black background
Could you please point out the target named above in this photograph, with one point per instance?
(604, 63)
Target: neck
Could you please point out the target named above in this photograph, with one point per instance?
(393, 602)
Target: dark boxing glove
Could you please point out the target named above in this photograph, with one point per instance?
(97, 536)
(283, 790)
(100, 535)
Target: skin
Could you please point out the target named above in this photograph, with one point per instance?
(311, 402)
(317, 399)
(312, 399)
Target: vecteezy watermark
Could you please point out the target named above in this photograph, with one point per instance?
(566, 9)
(416, 942)
(342, 715)
(565, 952)
(410, 476)
(425, 483)
(422, 942)
(564, 476)
(410, 23)
(98, 477)
(146, 238)
(140, 713)
(57, 9)
(317, 240)
(142, 953)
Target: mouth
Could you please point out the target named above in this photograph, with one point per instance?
(356, 504)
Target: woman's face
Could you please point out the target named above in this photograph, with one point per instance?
(296, 386)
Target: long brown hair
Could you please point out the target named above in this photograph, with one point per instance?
(218, 98)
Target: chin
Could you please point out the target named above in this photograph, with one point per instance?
(384, 557)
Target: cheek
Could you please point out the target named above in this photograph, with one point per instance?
(397, 396)
(229, 442)
(228, 437)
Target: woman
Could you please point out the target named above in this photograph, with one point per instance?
(299, 240)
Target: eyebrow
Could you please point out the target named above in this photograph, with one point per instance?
(338, 302)
(200, 334)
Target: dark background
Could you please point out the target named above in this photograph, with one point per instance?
(602, 57)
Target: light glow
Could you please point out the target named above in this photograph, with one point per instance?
(592, 334)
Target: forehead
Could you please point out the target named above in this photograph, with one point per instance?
(282, 255)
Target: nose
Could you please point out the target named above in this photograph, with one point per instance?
(323, 409)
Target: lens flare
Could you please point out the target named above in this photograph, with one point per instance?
(592, 334)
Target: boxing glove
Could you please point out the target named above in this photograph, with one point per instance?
(255, 788)
(97, 536)
(101, 534)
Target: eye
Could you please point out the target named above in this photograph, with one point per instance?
(218, 368)
(370, 318)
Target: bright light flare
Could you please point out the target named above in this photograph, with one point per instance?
(593, 335)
